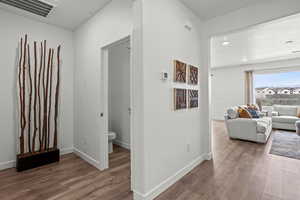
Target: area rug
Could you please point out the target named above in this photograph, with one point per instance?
(286, 144)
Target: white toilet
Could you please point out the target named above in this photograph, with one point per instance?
(111, 137)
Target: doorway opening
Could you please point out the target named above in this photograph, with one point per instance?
(119, 99)
(116, 92)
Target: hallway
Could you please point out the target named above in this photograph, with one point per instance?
(240, 171)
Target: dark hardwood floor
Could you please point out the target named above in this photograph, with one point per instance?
(239, 171)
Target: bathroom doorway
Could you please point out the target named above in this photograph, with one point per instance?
(116, 92)
(119, 94)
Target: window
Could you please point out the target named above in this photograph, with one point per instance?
(277, 88)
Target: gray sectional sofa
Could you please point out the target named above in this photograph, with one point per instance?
(259, 129)
(256, 130)
(285, 117)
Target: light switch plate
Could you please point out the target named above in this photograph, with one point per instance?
(164, 76)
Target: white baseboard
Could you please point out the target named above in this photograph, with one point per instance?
(208, 156)
(87, 158)
(218, 119)
(12, 163)
(169, 181)
(66, 151)
(7, 165)
(138, 196)
(122, 144)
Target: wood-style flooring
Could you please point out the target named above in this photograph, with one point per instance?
(239, 171)
(71, 179)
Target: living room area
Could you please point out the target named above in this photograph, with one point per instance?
(256, 86)
(255, 105)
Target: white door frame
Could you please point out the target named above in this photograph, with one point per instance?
(104, 155)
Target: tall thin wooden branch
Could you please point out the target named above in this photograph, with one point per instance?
(23, 112)
(46, 100)
(56, 97)
(30, 99)
(39, 97)
(50, 99)
(21, 139)
(41, 86)
(35, 100)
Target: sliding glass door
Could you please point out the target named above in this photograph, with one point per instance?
(280, 88)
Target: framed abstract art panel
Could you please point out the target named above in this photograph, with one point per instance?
(193, 75)
(180, 99)
(180, 71)
(193, 98)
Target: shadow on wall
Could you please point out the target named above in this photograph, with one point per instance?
(16, 127)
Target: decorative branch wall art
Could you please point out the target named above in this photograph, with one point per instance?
(180, 100)
(193, 98)
(193, 75)
(37, 97)
(179, 72)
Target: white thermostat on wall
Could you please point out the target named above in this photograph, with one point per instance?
(164, 76)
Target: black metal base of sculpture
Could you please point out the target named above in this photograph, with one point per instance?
(33, 160)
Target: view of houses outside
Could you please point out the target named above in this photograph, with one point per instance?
(278, 88)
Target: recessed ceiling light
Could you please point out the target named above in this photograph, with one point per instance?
(225, 43)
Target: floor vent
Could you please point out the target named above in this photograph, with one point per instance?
(34, 6)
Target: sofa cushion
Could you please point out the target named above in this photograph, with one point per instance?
(253, 112)
(261, 127)
(264, 120)
(253, 106)
(261, 114)
(244, 113)
(256, 107)
(285, 110)
(263, 124)
(233, 113)
(285, 119)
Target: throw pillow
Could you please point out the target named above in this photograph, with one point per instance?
(255, 107)
(243, 113)
(253, 112)
(232, 113)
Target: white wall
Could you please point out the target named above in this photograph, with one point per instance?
(109, 25)
(228, 83)
(227, 87)
(168, 133)
(119, 92)
(13, 28)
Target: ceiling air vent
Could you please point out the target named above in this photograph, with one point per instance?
(34, 6)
